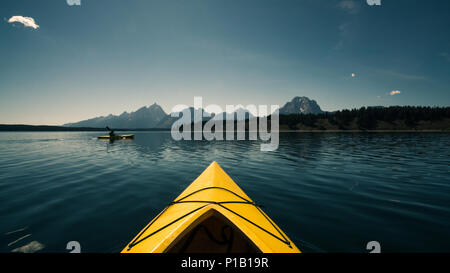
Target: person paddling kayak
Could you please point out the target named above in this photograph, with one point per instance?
(112, 136)
(111, 133)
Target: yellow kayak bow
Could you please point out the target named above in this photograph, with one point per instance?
(212, 215)
(117, 137)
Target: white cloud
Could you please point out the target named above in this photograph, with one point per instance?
(73, 2)
(26, 21)
(395, 92)
(349, 6)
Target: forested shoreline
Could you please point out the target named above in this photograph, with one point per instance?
(372, 118)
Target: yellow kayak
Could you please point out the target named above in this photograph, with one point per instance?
(212, 215)
(117, 137)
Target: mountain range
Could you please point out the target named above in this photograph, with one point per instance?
(155, 117)
(144, 117)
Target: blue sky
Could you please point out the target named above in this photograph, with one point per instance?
(110, 56)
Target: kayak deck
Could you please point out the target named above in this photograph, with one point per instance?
(117, 137)
(212, 215)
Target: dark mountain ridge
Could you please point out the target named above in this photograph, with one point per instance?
(301, 105)
(144, 117)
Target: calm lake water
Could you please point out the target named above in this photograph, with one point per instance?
(330, 192)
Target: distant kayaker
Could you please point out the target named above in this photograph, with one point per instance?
(111, 132)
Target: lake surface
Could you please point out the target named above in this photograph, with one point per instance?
(330, 192)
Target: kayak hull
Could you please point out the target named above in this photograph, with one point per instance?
(117, 137)
(212, 215)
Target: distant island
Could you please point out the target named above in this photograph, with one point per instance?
(299, 114)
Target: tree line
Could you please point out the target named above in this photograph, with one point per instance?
(367, 118)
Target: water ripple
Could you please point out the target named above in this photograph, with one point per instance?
(328, 192)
